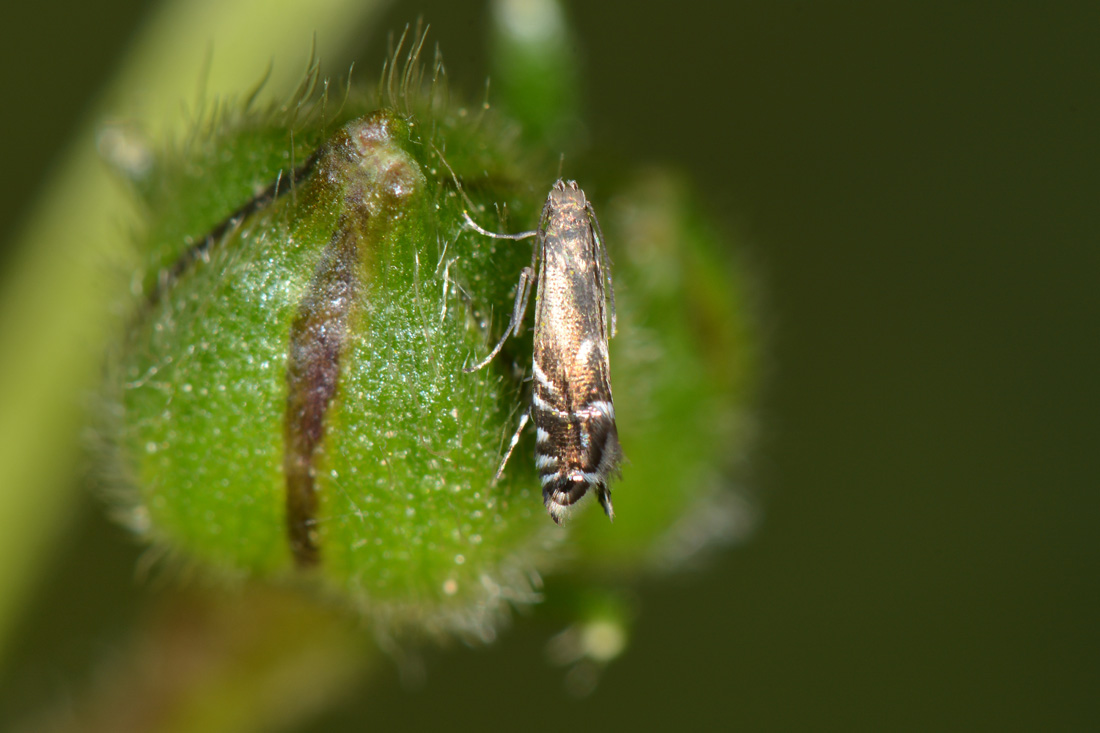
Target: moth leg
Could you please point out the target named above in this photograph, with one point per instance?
(523, 295)
(530, 272)
(511, 446)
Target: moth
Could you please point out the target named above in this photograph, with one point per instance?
(577, 442)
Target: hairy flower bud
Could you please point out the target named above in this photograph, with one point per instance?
(293, 401)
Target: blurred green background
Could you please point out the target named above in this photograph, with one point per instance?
(919, 188)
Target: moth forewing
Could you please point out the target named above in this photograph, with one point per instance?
(604, 277)
(577, 444)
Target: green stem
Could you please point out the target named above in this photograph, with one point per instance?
(55, 304)
(253, 659)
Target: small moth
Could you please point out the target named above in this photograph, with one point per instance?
(577, 443)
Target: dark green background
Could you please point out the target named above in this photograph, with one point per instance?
(919, 192)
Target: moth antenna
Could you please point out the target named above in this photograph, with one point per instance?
(473, 225)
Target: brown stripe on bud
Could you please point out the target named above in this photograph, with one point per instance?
(378, 178)
(284, 182)
(313, 368)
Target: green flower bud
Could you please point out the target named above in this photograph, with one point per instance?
(294, 397)
(293, 401)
